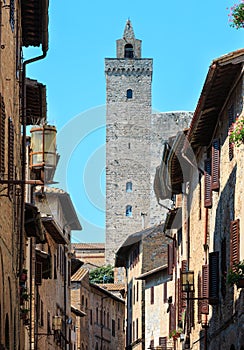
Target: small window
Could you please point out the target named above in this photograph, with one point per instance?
(128, 211)
(129, 51)
(129, 93)
(129, 187)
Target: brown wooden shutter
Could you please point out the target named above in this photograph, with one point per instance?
(199, 295)
(170, 258)
(215, 164)
(207, 184)
(213, 278)
(205, 285)
(172, 319)
(179, 300)
(231, 120)
(38, 273)
(234, 242)
(10, 155)
(184, 294)
(2, 135)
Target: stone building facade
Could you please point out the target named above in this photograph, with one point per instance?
(103, 324)
(208, 224)
(134, 138)
(50, 264)
(22, 25)
(145, 254)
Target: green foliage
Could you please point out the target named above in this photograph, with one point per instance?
(104, 274)
(236, 132)
(236, 274)
(236, 15)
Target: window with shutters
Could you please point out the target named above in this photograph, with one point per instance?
(199, 295)
(184, 294)
(213, 278)
(205, 285)
(207, 184)
(234, 243)
(2, 136)
(179, 300)
(215, 171)
(231, 120)
(10, 155)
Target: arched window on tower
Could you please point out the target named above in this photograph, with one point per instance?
(128, 211)
(129, 51)
(129, 93)
(128, 186)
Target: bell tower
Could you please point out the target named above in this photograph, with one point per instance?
(128, 123)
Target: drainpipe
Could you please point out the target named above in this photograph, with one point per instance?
(23, 178)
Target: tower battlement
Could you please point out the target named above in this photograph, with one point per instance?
(128, 67)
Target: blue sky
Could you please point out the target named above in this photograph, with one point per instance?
(181, 37)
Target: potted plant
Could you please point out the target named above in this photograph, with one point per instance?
(236, 132)
(176, 333)
(236, 15)
(236, 275)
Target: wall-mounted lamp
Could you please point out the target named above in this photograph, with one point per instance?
(188, 281)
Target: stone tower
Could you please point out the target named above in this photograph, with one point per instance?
(128, 119)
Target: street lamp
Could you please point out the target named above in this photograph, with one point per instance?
(188, 282)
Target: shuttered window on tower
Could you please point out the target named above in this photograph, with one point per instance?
(215, 171)
(207, 184)
(213, 278)
(2, 136)
(234, 243)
